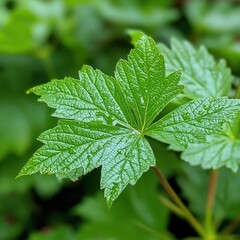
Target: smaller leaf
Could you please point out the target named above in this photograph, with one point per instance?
(193, 121)
(218, 150)
(201, 75)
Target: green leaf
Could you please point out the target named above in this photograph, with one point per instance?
(123, 154)
(142, 78)
(193, 121)
(219, 150)
(106, 120)
(202, 76)
(96, 97)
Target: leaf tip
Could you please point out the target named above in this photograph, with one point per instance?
(109, 204)
(135, 35)
(20, 174)
(31, 90)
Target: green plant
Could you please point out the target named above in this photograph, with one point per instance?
(108, 121)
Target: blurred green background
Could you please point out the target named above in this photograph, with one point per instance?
(46, 39)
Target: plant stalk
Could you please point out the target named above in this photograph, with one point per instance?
(188, 215)
(170, 205)
(210, 202)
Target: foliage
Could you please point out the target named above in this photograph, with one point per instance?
(218, 150)
(202, 77)
(109, 118)
(43, 40)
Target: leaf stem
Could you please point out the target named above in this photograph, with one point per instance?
(174, 208)
(210, 202)
(189, 216)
